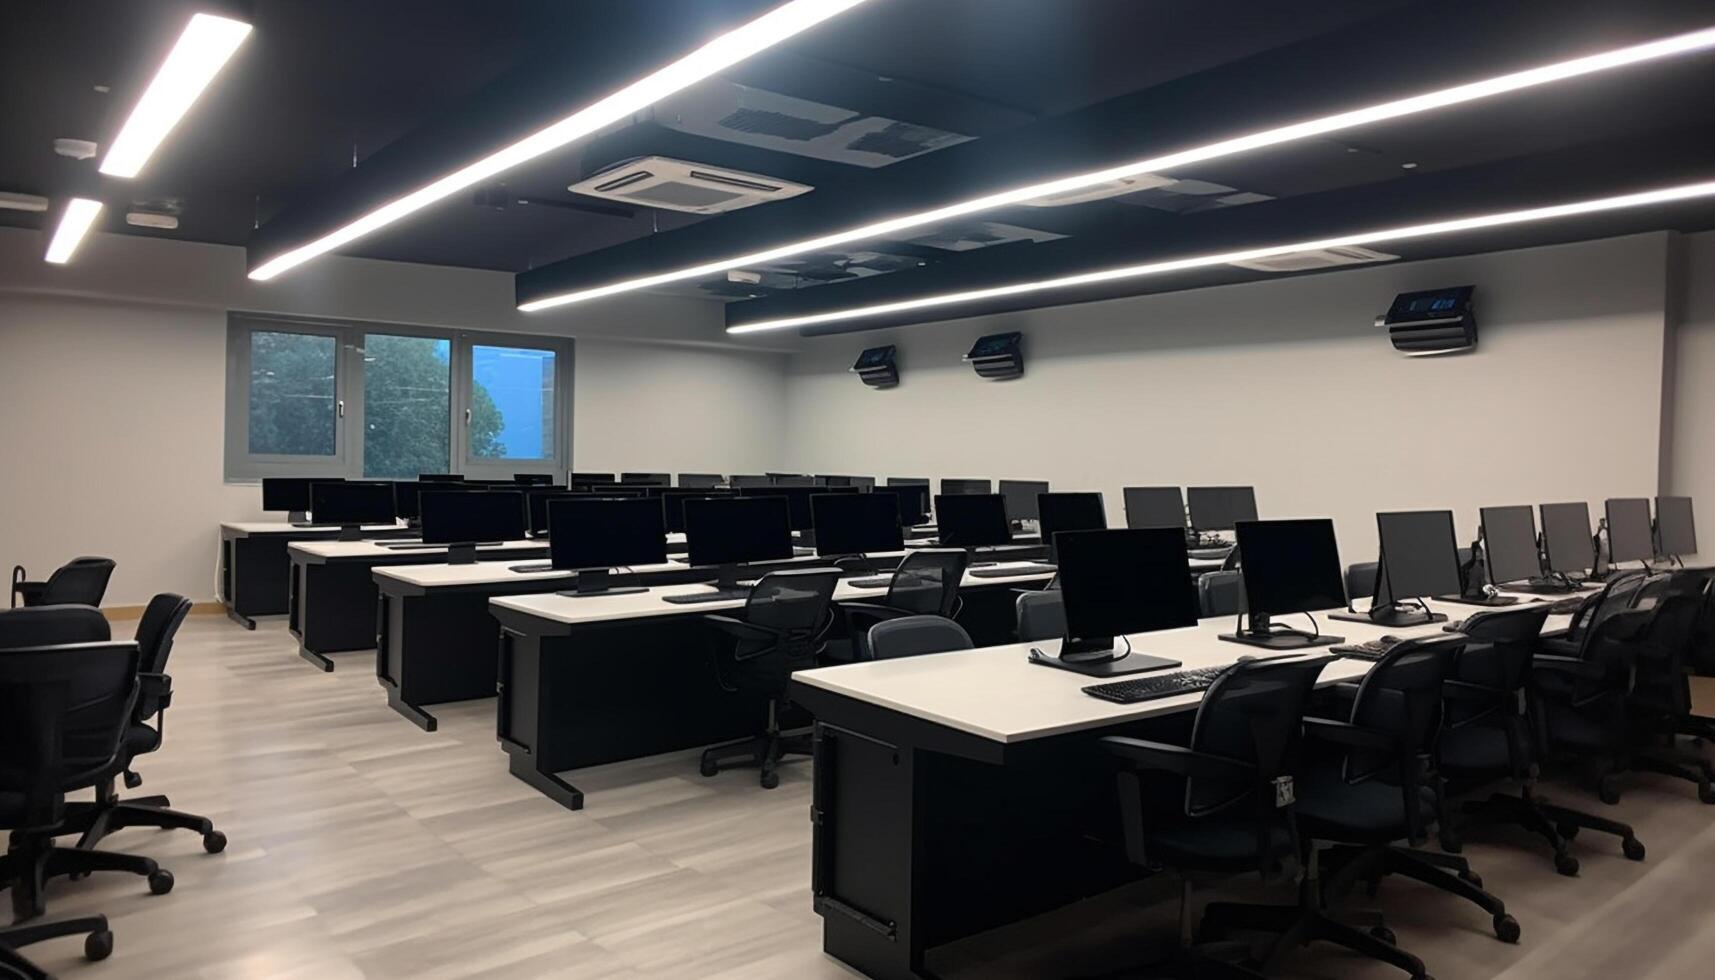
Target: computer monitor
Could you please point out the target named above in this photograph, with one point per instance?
(1020, 497)
(976, 520)
(856, 523)
(1567, 538)
(651, 479)
(440, 478)
(700, 481)
(673, 505)
(1063, 512)
(1154, 507)
(1220, 508)
(1289, 567)
(1114, 583)
(590, 479)
(1629, 537)
(727, 533)
(740, 481)
(907, 481)
(798, 501)
(593, 535)
(861, 482)
(536, 506)
(352, 504)
(533, 479)
(1509, 544)
(913, 502)
(951, 487)
(461, 521)
(1419, 559)
(795, 481)
(291, 494)
(405, 493)
(1676, 531)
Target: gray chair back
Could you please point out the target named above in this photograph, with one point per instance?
(1221, 593)
(1361, 580)
(914, 636)
(1041, 616)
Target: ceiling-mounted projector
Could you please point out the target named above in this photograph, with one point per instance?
(1431, 321)
(877, 368)
(998, 356)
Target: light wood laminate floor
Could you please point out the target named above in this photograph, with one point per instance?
(363, 847)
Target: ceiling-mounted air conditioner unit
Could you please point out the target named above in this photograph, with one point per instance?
(678, 185)
(1112, 188)
(1320, 258)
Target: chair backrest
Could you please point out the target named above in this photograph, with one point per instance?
(1041, 616)
(1361, 579)
(1501, 644)
(927, 581)
(155, 631)
(1618, 595)
(1401, 695)
(794, 605)
(1253, 713)
(912, 636)
(1676, 602)
(1221, 593)
(81, 581)
(63, 711)
(40, 626)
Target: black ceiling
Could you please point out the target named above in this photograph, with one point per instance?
(1029, 88)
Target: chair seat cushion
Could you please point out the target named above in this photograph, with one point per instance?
(1567, 726)
(1215, 844)
(1329, 808)
(1476, 748)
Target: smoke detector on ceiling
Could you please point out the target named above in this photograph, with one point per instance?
(1319, 258)
(678, 185)
(76, 149)
(1097, 192)
(151, 219)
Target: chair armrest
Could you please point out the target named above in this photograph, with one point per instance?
(872, 609)
(155, 694)
(1347, 734)
(1468, 691)
(1176, 759)
(1567, 665)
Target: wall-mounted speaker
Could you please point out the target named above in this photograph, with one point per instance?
(877, 368)
(998, 357)
(1431, 321)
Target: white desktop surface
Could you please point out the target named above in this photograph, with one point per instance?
(594, 609)
(489, 572)
(997, 694)
(376, 549)
(285, 527)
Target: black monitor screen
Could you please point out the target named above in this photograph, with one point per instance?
(974, 520)
(1290, 566)
(907, 481)
(673, 506)
(743, 480)
(700, 480)
(1119, 582)
(737, 530)
(352, 503)
(1675, 527)
(856, 523)
(537, 505)
(1220, 508)
(533, 479)
(797, 501)
(405, 499)
(1567, 537)
(290, 493)
(1071, 512)
(652, 479)
(1509, 544)
(587, 479)
(1420, 554)
(1020, 497)
(913, 502)
(472, 517)
(440, 478)
(1154, 507)
(1629, 536)
(949, 487)
(606, 532)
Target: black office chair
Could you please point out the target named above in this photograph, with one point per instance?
(1370, 782)
(1221, 593)
(783, 628)
(1224, 804)
(1659, 706)
(1488, 735)
(155, 632)
(1618, 594)
(914, 636)
(88, 759)
(62, 710)
(79, 582)
(1361, 579)
(1041, 616)
(925, 583)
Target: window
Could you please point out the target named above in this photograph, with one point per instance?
(321, 398)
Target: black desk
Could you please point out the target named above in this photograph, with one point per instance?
(255, 570)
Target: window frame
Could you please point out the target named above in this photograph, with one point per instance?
(243, 466)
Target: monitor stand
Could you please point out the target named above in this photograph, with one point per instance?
(299, 518)
(599, 581)
(351, 532)
(1260, 633)
(1393, 614)
(1482, 599)
(461, 554)
(1097, 657)
(1555, 584)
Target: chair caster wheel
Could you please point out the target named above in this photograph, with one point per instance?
(1384, 934)
(1608, 790)
(98, 945)
(1568, 831)
(1471, 878)
(1632, 848)
(1566, 864)
(160, 882)
(770, 780)
(1507, 929)
(1452, 845)
(214, 842)
(708, 768)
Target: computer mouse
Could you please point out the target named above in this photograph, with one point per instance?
(1391, 640)
(1247, 658)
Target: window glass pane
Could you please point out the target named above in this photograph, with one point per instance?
(292, 394)
(407, 405)
(512, 403)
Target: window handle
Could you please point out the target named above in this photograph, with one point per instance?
(467, 416)
(341, 404)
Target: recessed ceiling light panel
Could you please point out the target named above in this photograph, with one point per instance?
(205, 46)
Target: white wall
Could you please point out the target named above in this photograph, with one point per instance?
(113, 368)
(1286, 385)
(1691, 471)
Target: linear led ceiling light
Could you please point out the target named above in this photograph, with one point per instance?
(79, 215)
(1530, 78)
(723, 52)
(1660, 196)
(205, 46)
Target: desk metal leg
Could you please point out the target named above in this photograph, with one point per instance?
(415, 715)
(315, 658)
(239, 618)
(523, 765)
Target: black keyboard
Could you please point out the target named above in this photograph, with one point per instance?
(539, 567)
(713, 595)
(1153, 686)
(1034, 568)
(1368, 650)
(870, 582)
